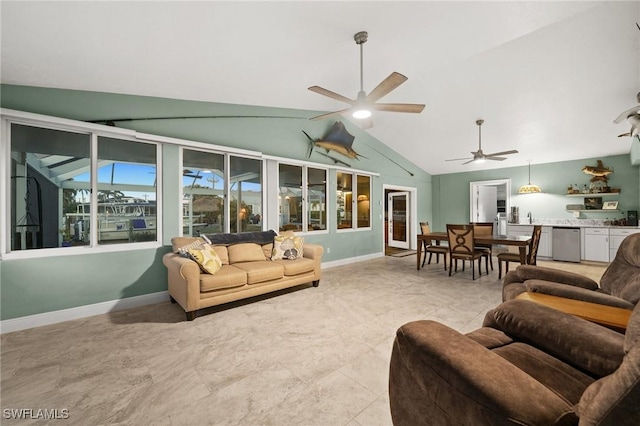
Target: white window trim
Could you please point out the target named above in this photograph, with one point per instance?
(8, 117)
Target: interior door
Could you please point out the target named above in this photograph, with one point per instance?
(484, 204)
(398, 217)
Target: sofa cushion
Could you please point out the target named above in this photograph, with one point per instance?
(296, 267)
(245, 252)
(227, 277)
(287, 247)
(223, 254)
(261, 271)
(205, 256)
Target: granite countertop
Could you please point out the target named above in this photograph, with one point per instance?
(574, 223)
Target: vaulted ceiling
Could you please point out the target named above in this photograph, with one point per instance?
(548, 77)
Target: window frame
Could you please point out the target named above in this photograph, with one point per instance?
(354, 201)
(93, 131)
(304, 168)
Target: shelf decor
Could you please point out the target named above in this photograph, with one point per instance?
(529, 188)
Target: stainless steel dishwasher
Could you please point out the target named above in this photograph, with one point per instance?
(566, 244)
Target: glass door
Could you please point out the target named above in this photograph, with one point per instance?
(398, 217)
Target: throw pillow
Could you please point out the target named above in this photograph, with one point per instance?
(184, 250)
(206, 257)
(287, 247)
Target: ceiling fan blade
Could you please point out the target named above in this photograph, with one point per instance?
(330, 94)
(415, 108)
(329, 114)
(495, 158)
(459, 159)
(470, 161)
(387, 85)
(496, 154)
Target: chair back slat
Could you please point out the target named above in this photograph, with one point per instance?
(424, 227)
(460, 239)
(533, 245)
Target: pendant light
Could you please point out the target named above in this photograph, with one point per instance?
(529, 188)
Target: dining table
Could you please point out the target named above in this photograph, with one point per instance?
(520, 241)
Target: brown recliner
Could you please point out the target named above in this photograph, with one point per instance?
(528, 365)
(619, 286)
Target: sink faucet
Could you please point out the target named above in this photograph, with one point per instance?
(530, 218)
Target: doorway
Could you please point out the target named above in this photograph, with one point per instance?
(489, 202)
(398, 215)
(399, 221)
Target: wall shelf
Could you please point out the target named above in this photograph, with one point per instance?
(592, 194)
(595, 210)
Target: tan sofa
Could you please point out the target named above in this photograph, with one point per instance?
(244, 272)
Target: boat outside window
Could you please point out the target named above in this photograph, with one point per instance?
(127, 209)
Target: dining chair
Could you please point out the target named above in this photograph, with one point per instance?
(431, 248)
(461, 246)
(532, 256)
(484, 228)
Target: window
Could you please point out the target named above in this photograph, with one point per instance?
(126, 201)
(346, 198)
(317, 199)
(205, 185)
(45, 192)
(203, 189)
(302, 198)
(54, 176)
(245, 190)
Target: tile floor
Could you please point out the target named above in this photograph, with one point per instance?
(313, 356)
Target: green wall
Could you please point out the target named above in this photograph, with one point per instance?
(451, 191)
(32, 286)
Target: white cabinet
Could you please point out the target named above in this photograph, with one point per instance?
(596, 244)
(615, 238)
(545, 244)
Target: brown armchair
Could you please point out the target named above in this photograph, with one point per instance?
(528, 365)
(619, 285)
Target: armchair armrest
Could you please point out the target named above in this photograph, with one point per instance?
(574, 340)
(530, 272)
(577, 293)
(439, 376)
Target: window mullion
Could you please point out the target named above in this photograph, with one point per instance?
(93, 179)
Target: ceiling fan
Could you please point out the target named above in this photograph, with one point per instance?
(362, 106)
(479, 156)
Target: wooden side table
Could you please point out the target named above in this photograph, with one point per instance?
(608, 316)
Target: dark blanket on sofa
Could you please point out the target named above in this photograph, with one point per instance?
(262, 238)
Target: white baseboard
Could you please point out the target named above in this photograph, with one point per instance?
(349, 260)
(23, 323)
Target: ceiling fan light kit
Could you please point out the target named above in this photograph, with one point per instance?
(361, 108)
(529, 188)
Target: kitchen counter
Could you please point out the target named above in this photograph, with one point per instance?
(568, 223)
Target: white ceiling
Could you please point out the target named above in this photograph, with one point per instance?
(548, 78)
